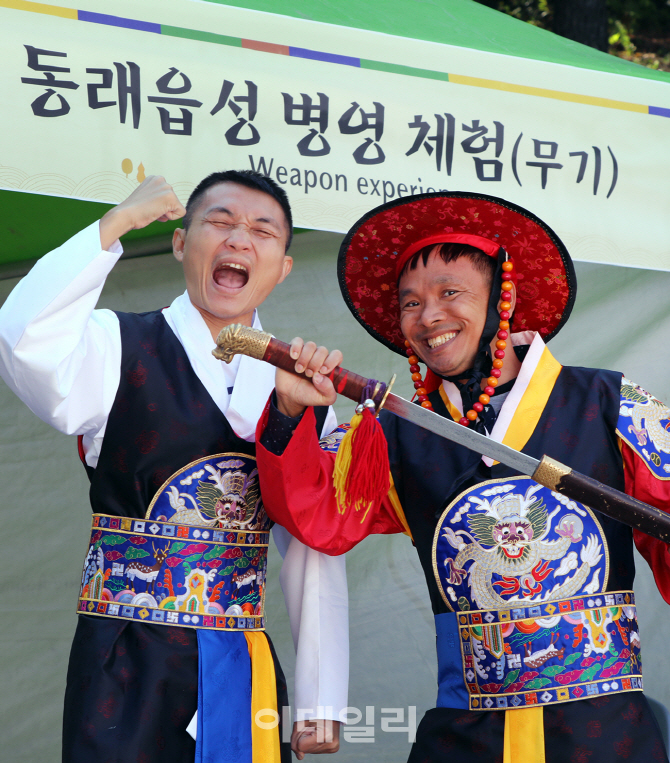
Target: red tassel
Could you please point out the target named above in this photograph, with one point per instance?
(368, 477)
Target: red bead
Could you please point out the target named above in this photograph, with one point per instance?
(423, 398)
(478, 407)
(508, 266)
(488, 390)
(504, 315)
(427, 404)
(414, 369)
(501, 335)
(464, 422)
(413, 360)
(472, 415)
(422, 391)
(418, 384)
(504, 325)
(500, 354)
(506, 295)
(507, 286)
(496, 372)
(416, 377)
(409, 351)
(484, 399)
(497, 364)
(501, 344)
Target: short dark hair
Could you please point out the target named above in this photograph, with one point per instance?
(450, 252)
(247, 178)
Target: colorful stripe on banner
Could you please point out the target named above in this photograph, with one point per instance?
(106, 19)
(330, 58)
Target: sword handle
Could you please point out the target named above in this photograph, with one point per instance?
(605, 499)
(243, 340)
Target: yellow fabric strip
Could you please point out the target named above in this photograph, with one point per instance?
(49, 10)
(524, 736)
(264, 742)
(558, 95)
(453, 410)
(397, 507)
(533, 402)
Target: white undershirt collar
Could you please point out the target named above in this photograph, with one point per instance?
(252, 380)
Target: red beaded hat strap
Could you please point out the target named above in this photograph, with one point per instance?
(499, 354)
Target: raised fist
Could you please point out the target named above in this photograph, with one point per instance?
(152, 200)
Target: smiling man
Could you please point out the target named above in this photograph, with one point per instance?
(171, 607)
(537, 640)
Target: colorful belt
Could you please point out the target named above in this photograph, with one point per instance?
(554, 652)
(170, 574)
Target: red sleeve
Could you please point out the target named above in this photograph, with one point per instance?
(643, 485)
(298, 493)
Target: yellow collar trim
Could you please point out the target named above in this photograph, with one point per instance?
(521, 411)
(527, 413)
(453, 410)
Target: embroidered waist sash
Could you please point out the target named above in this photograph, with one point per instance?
(549, 653)
(172, 574)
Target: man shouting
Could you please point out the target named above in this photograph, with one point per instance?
(171, 606)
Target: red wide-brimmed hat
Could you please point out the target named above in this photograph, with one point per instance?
(377, 247)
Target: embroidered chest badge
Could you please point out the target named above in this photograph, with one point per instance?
(331, 442)
(644, 423)
(198, 559)
(525, 570)
(513, 541)
(219, 491)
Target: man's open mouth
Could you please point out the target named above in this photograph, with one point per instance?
(437, 341)
(233, 275)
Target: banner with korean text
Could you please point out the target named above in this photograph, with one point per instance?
(344, 119)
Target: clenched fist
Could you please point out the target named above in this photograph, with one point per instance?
(152, 200)
(315, 737)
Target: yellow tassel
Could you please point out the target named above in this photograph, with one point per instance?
(343, 463)
(361, 473)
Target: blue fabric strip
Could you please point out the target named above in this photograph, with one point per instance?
(104, 18)
(317, 55)
(224, 698)
(451, 689)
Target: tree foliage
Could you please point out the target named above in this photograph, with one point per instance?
(638, 30)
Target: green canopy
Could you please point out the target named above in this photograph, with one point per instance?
(33, 223)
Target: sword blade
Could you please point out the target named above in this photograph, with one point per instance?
(457, 433)
(236, 339)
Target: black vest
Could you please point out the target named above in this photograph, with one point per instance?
(162, 419)
(577, 427)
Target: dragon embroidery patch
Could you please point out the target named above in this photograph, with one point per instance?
(511, 541)
(199, 558)
(644, 423)
(218, 491)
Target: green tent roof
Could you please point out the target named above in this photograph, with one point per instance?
(33, 224)
(453, 22)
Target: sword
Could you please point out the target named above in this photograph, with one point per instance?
(242, 340)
